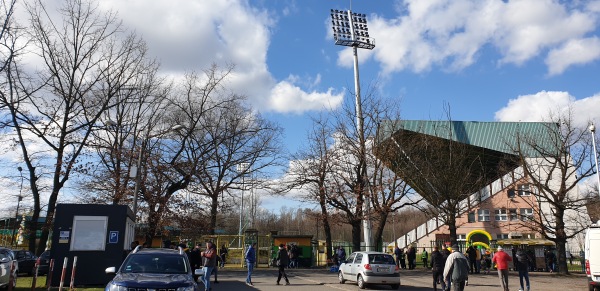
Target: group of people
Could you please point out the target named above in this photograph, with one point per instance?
(451, 268)
(410, 254)
(209, 260)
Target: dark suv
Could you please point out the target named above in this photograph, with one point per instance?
(26, 261)
(153, 269)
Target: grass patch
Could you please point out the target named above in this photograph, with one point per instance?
(25, 283)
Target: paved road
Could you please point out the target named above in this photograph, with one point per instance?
(413, 280)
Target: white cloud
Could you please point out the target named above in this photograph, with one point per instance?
(577, 51)
(539, 107)
(451, 33)
(287, 97)
(194, 34)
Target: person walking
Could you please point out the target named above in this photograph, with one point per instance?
(456, 269)
(282, 260)
(424, 257)
(223, 254)
(397, 253)
(215, 270)
(209, 257)
(522, 262)
(501, 259)
(341, 255)
(250, 260)
(472, 255)
(438, 261)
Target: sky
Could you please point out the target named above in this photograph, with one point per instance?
(488, 60)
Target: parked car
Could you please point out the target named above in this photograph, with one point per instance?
(26, 261)
(7, 257)
(44, 266)
(153, 269)
(370, 268)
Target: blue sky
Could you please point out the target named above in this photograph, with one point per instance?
(482, 57)
(490, 60)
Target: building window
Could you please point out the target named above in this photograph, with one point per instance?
(512, 214)
(501, 236)
(511, 193)
(483, 215)
(461, 237)
(529, 235)
(526, 214)
(471, 217)
(524, 190)
(501, 215)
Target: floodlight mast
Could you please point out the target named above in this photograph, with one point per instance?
(350, 29)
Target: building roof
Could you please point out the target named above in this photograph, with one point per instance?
(497, 136)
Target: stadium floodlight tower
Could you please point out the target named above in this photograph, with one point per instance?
(350, 29)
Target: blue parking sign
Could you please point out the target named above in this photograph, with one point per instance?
(113, 237)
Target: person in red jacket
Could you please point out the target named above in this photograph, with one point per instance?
(501, 260)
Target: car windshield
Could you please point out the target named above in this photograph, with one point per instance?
(155, 263)
(381, 259)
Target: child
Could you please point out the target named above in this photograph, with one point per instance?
(486, 263)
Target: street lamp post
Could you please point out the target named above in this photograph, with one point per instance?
(137, 172)
(592, 129)
(242, 168)
(12, 239)
(350, 29)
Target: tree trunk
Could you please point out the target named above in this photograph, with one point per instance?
(379, 231)
(326, 226)
(356, 229)
(213, 212)
(451, 222)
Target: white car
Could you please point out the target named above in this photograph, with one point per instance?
(370, 268)
(7, 259)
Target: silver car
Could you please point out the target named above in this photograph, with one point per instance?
(7, 258)
(370, 268)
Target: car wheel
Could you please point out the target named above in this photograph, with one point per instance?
(361, 282)
(341, 278)
(395, 286)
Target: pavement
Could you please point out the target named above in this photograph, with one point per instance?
(417, 280)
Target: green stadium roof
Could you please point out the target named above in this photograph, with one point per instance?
(498, 136)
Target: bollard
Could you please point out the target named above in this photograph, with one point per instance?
(49, 275)
(11, 277)
(35, 274)
(62, 274)
(72, 285)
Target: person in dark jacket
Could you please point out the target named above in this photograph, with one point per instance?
(398, 253)
(472, 256)
(412, 257)
(283, 260)
(438, 261)
(250, 260)
(522, 262)
(195, 259)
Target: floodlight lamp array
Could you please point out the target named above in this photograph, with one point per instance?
(350, 29)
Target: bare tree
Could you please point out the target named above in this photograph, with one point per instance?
(235, 136)
(84, 66)
(361, 186)
(555, 160)
(311, 170)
